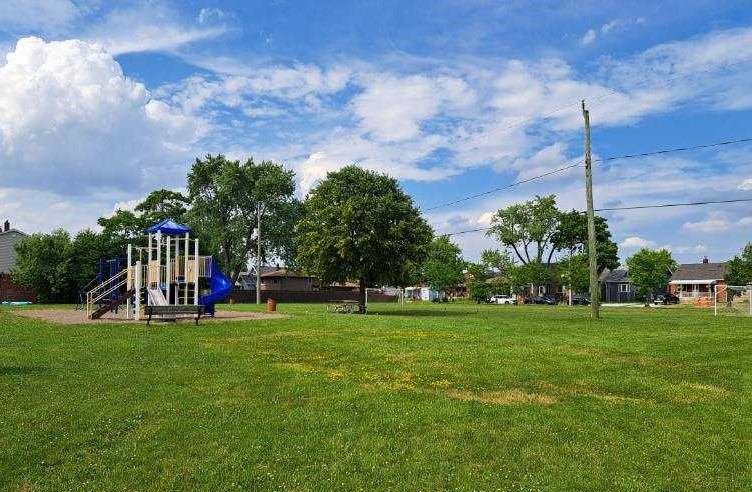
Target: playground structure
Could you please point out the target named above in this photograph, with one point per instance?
(169, 271)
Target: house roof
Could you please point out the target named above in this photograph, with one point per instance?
(620, 275)
(699, 271)
(13, 231)
(283, 272)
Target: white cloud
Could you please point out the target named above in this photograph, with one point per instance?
(392, 107)
(211, 15)
(37, 15)
(71, 122)
(715, 222)
(636, 242)
(149, 27)
(746, 185)
(589, 37)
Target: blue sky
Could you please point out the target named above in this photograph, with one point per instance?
(101, 102)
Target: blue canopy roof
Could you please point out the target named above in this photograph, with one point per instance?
(168, 226)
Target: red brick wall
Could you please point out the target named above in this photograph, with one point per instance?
(10, 291)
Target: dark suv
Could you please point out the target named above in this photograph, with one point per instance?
(580, 301)
(666, 299)
(550, 301)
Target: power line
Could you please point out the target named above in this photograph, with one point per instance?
(604, 159)
(633, 207)
(516, 183)
(677, 149)
(668, 205)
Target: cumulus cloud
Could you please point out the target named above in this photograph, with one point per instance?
(715, 222)
(746, 185)
(71, 122)
(636, 242)
(393, 107)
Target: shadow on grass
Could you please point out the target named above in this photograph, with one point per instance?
(425, 313)
(20, 370)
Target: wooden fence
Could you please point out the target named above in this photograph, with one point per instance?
(249, 296)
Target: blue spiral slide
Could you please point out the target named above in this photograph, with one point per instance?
(221, 287)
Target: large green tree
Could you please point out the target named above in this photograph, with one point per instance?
(571, 236)
(126, 226)
(360, 225)
(43, 262)
(650, 271)
(739, 270)
(444, 267)
(573, 271)
(527, 228)
(227, 197)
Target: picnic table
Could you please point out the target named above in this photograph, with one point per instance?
(346, 306)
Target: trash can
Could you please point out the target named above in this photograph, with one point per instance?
(271, 305)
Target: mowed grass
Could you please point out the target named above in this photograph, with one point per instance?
(429, 397)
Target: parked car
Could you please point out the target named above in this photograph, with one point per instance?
(502, 300)
(666, 299)
(580, 301)
(550, 301)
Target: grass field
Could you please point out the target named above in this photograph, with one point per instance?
(431, 397)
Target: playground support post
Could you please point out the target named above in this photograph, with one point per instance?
(185, 271)
(167, 267)
(195, 273)
(129, 281)
(137, 303)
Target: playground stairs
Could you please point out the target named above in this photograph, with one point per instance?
(112, 304)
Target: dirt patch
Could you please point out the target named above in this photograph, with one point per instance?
(73, 317)
(504, 397)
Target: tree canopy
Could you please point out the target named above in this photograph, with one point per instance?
(444, 267)
(226, 196)
(360, 225)
(650, 271)
(739, 270)
(537, 229)
(527, 228)
(572, 236)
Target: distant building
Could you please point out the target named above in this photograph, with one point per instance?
(696, 281)
(616, 286)
(9, 290)
(421, 293)
(277, 278)
(8, 240)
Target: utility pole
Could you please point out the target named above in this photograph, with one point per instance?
(592, 253)
(258, 253)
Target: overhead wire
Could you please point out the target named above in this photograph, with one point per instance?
(631, 207)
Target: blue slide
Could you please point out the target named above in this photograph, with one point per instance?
(221, 287)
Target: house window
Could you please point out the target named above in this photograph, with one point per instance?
(623, 287)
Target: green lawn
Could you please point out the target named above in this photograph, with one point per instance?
(431, 397)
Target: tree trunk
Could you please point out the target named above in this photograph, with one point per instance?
(362, 299)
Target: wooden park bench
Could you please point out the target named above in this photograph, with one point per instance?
(348, 307)
(172, 313)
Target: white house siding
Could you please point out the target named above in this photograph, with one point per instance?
(8, 241)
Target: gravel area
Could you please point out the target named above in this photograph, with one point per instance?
(72, 317)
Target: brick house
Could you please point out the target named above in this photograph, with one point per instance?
(10, 291)
(694, 282)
